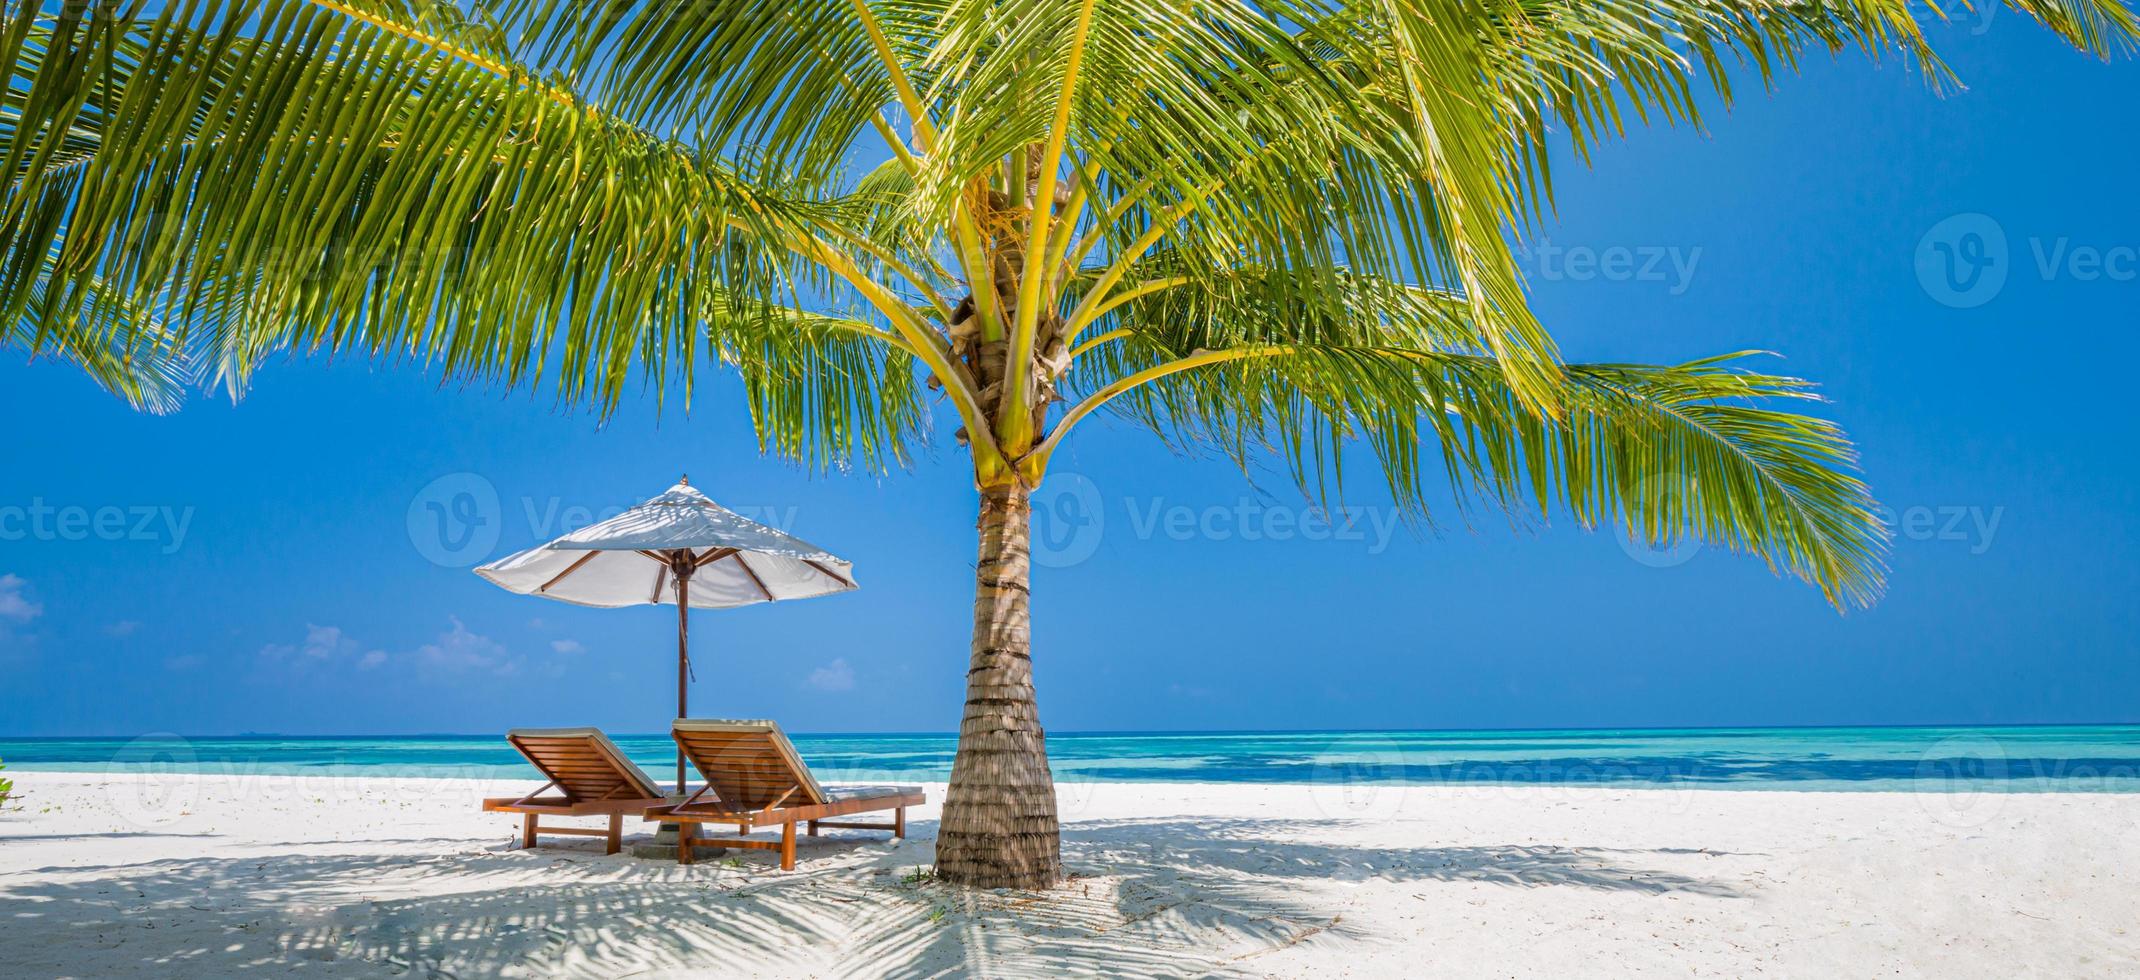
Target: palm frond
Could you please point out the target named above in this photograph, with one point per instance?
(827, 391)
(1705, 449)
(116, 343)
(797, 82)
(291, 174)
(1591, 66)
(1208, 309)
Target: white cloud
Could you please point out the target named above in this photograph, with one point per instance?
(321, 643)
(322, 646)
(458, 649)
(13, 604)
(122, 629)
(835, 676)
(568, 646)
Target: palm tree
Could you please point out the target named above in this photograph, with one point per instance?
(1270, 230)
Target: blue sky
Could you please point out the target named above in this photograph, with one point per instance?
(270, 567)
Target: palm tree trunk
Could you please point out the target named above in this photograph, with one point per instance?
(998, 828)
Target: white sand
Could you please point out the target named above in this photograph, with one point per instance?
(171, 876)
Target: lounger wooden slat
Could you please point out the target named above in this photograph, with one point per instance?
(592, 777)
(755, 778)
(564, 759)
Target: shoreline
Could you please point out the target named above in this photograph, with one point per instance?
(484, 774)
(206, 875)
(2083, 759)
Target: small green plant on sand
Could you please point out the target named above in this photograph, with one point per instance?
(918, 876)
(7, 787)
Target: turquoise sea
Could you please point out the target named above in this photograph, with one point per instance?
(2102, 758)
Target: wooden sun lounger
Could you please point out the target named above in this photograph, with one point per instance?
(754, 778)
(592, 778)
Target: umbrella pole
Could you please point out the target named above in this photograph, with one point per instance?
(683, 659)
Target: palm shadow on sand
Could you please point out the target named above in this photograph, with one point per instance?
(1145, 898)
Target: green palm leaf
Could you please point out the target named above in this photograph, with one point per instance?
(1706, 449)
(396, 199)
(116, 343)
(830, 391)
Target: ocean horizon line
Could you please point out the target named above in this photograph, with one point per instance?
(1137, 732)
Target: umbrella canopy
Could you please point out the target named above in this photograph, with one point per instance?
(680, 548)
(630, 559)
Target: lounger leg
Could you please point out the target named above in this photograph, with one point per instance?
(787, 846)
(813, 828)
(683, 843)
(616, 833)
(527, 831)
(899, 822)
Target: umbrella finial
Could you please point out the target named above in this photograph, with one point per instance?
(684, 481)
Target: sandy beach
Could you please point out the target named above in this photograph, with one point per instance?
(182, 876)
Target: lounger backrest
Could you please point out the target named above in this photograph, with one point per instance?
(749, 764)
(583, 763)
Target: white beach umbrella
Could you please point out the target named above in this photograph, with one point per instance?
(681, 548)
